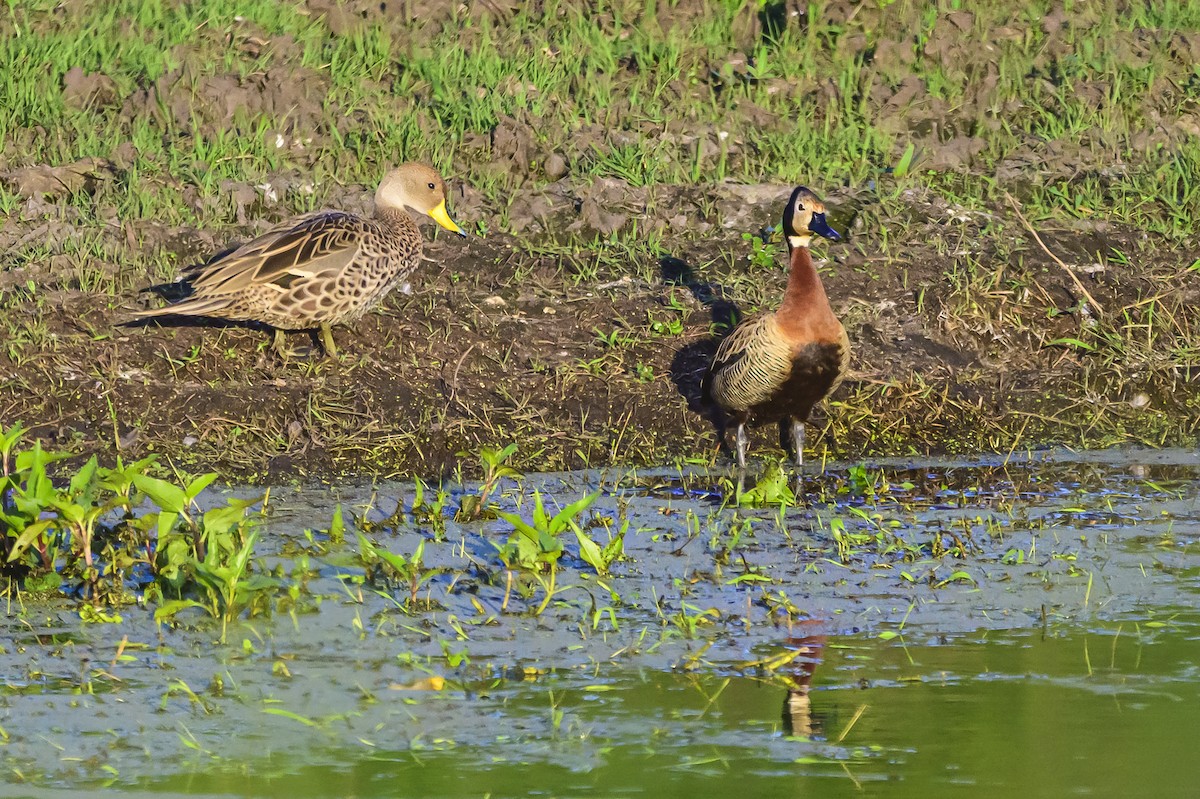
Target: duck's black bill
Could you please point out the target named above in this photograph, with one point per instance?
(819, 226)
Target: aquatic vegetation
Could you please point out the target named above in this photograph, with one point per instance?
(601, 557)
(93, 538)
(772, 489)
(430, 512)
(494, 463)
(885, 556)
(536, 545)
(383, 565)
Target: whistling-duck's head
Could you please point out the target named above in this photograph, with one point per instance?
(417, 190)
(804, 218)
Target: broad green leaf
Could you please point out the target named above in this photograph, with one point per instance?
(255, 583)
(569, 513)
(549, 544)
(35, 459)
(748, 578)
(9, 437)
(243, 556)
(27, 537)
(167, 496)
(397, 562)
(221, 520)
(199, 484)
(590, 552)
(81, 483)
(366, 550)
(337, 527)
(70, 511)
(50, 581)
(539, 511)
(168, 609)
(615, 548)
(521, 526)
(287, 714)
(166, 523)
(905, 162)
(1071, 342)
(528, 550)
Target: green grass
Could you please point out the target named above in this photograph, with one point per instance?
(619, 89)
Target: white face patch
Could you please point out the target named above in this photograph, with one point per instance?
(799, 241)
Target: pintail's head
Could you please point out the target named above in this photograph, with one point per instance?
(417, 190)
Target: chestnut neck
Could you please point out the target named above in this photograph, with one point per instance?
(805, 307)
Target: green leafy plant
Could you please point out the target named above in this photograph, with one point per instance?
(88, 534)
(536, 545)
(762, 252)
(601, 558)
(32, 536)
(431, 512)
(771, 489)
(382, 564)
(495, 468)
(224, 582)
(208, 556)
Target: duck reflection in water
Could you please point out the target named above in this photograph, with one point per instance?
(798, 720)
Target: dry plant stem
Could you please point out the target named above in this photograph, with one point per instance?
(1074, 277)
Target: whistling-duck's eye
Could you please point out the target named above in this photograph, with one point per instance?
(432, 186)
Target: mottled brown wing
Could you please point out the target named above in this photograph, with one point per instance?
(318, 245)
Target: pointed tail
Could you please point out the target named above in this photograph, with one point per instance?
(201, 306)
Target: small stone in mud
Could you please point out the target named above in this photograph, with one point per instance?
(555, 166)
(1140, 400)
(549, 311)
(495, 302)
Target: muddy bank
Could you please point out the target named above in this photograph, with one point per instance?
(963, 340)
(1019, 270)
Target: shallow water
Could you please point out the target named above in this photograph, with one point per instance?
(1062, 663)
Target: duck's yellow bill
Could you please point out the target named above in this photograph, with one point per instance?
(440, 216)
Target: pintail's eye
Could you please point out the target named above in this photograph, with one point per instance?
(432, 186)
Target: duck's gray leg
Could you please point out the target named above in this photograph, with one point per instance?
(798, 443)
(741, 444)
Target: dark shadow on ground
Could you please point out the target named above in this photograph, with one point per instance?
(690, 362)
